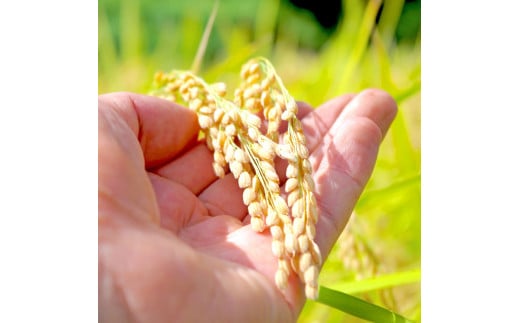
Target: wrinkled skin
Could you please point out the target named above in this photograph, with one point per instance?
(175, 244)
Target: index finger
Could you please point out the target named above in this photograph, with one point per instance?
(343, 156)
(164, 129)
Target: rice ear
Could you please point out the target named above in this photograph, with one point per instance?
(232, 131)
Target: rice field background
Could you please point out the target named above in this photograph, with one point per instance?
(375, 44)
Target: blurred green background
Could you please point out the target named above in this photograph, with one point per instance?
(320, 51)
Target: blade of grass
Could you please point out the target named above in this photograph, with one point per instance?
(410, 91)
(389, 19)
(358, 307)
(359, 49)
(383, 60)
(195, 67)
(232, 62)
(339, 48)
(341, 43)
(406, 156)
(379, 282)
(373, 196)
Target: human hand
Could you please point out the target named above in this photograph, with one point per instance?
(175, 244)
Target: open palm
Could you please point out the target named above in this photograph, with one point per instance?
(175, 244)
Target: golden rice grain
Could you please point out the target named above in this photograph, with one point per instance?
(232, 131)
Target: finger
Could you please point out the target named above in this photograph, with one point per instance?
(178, 207)
(192, 170)
(224, 197)
(317, 123)
(345, 158)
(163, 128)
(120, 157)
(304, 109)
(376, 105)
(314, 125)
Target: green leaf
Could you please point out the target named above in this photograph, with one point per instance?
(379, 282)
(371, 197)
(358, 307)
